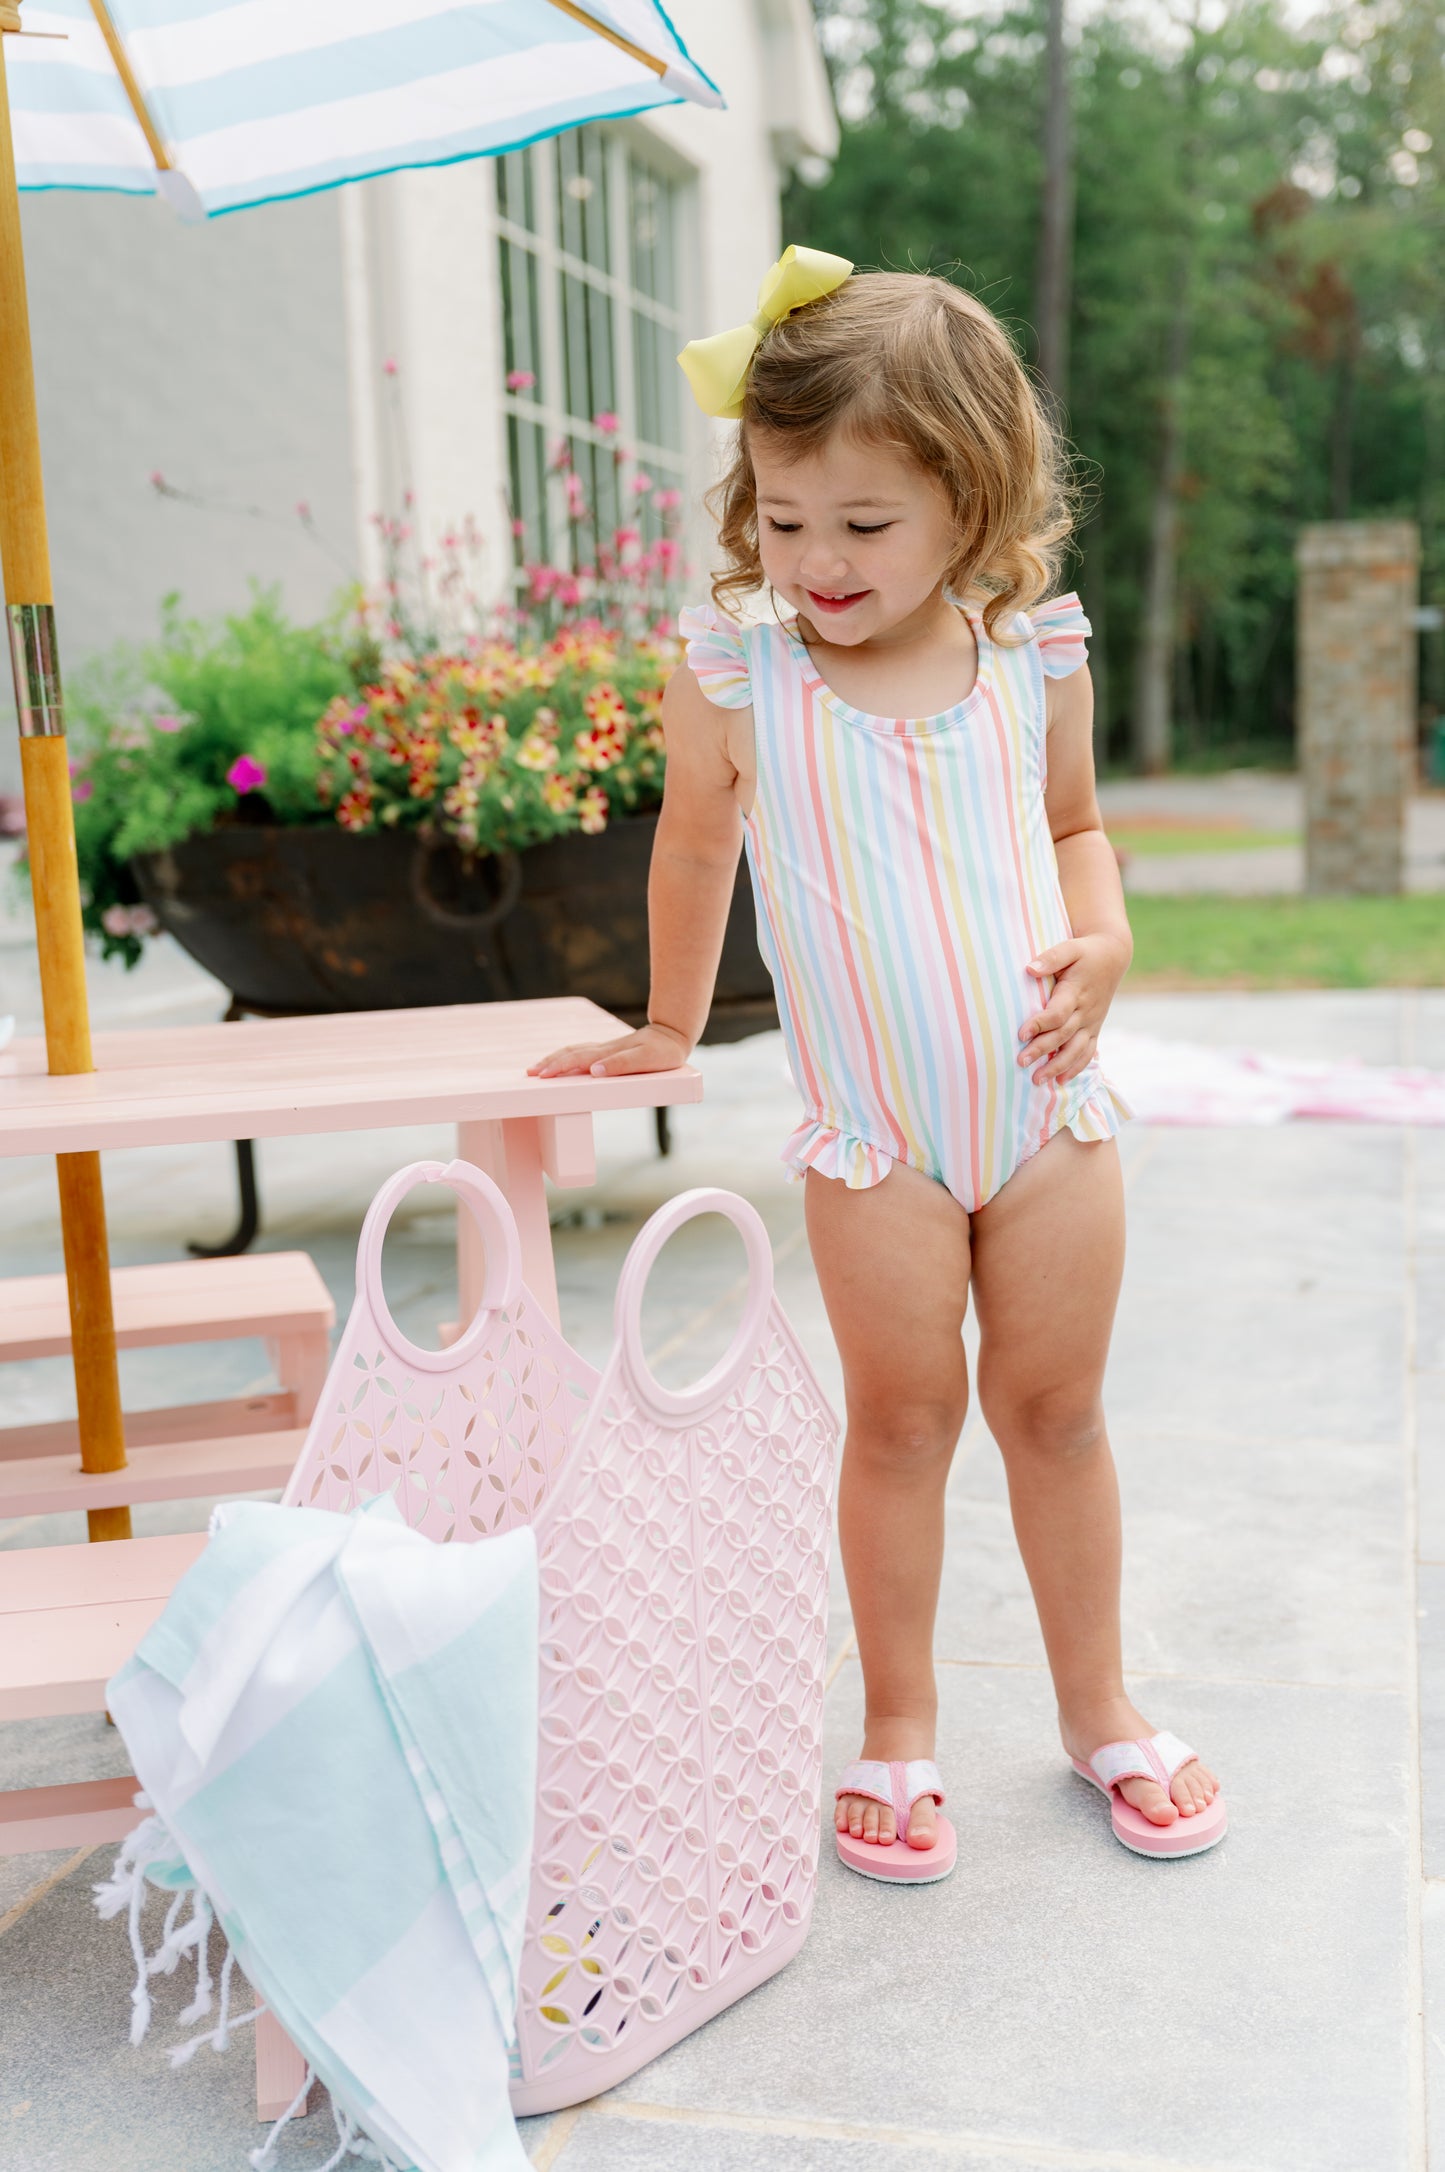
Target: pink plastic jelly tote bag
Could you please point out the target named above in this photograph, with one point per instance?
(683, 1551)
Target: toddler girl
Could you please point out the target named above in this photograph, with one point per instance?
(907, 753)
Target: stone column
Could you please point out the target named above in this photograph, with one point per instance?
(1356, 665)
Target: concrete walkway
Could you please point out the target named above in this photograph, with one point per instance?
(1277, 1409)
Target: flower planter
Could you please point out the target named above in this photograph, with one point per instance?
(313, 919)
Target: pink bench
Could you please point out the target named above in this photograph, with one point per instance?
(241, 1445)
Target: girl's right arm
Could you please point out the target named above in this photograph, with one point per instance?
(689, 891)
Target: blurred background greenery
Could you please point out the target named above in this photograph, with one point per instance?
(1231, 221)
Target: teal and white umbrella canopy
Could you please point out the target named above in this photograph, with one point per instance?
(238, 102)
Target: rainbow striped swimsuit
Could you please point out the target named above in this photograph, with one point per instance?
(904, 877)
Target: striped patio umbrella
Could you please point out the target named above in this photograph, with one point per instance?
(226, 103)
(217, 105)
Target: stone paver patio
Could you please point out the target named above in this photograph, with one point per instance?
(1277, 1397)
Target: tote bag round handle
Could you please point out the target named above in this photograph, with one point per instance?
(719, 1383)
(476, 1195)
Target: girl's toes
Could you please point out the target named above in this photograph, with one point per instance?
(855, 1818)
(922, 1824)
(1149, 1796)
(1193, 1790)
(870, 1822)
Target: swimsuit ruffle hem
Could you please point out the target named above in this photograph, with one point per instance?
(860, 1164)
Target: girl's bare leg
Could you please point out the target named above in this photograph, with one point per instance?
(1048, 1256)
(893, 1264)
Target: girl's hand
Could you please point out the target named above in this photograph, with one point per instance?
(1064, 1036)
(651, 1048)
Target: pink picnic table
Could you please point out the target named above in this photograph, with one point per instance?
(271, 1078)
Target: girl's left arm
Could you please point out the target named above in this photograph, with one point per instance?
(1062, 1037)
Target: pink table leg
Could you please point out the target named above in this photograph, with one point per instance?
(280, 2068)
(515, 1152)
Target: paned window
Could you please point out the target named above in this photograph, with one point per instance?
(589, 238)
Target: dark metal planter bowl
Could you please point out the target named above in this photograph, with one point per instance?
(313, 919)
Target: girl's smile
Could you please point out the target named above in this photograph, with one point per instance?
(834, 604)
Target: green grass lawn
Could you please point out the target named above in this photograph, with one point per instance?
(1160, 840)
(1288, 942)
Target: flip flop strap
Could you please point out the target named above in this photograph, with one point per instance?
(898, 1785)
(1157, 1759)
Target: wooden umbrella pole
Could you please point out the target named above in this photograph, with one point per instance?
(50, 835)
(614, 37)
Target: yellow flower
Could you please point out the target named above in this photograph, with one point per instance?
(536, 752)
(593, 812)
(559, 793)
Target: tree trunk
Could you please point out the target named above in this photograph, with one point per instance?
(1342, 430)
(1056, 230)
(1154, 667)
(1154, 673)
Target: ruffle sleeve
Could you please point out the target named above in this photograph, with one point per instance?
(1062, 631)
(716, 656)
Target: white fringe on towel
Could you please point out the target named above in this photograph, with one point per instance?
(151, 1845)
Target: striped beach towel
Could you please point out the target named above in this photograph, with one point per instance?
(335, 1725)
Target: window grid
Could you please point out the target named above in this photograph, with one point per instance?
(582, 326)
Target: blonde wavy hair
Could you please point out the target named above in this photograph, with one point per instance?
(907, 360)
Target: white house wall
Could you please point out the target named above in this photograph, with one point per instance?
(215, 355)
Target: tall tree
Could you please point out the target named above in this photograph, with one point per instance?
(1056, 223)
(1154, 670)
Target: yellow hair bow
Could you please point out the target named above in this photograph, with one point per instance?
(717, 368)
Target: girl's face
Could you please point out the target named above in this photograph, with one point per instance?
(855, 536)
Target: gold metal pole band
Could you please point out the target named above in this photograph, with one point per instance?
(35, 666)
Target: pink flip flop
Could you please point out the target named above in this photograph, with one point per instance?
(1157, 1759)
(898, 1787)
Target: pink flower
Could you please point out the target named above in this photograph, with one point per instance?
(520, 380)
(641, 484)
(561, 454)
(608, 423)
(625, 539)
(245, 774)
(158, 481)
(128, 920)
(82, 788)
(667, 501)
(576, 497)
(303, 510)
(168, 723)
(388, 367)
(519, 527)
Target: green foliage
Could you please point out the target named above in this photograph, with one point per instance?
(157, 728)
(1288, 179)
